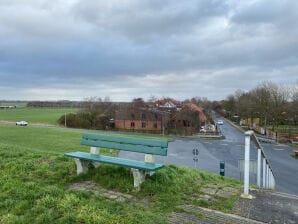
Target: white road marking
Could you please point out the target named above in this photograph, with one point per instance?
(173, 154)
(278, 149)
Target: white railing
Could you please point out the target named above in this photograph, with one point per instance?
(264, 170)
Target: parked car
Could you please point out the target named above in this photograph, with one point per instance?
(220, 122)
(203, 130)
(21, 123)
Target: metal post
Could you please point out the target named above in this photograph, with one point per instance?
(267, 176)
(272, 180)
(222, 168)
(264, 172)
(246, 164)
(269, 179)
(259, 168)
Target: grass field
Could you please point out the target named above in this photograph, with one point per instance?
(34, 180)
(35, 115)
(285, 129)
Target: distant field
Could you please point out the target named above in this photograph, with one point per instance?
(18, 104)
(35, 115)
(34, 180)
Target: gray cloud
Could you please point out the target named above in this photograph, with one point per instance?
(74, 49)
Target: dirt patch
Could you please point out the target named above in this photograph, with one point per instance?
(219, 190)
(46, 161)
(109, 194)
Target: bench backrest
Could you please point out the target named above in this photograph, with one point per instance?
(134, 144)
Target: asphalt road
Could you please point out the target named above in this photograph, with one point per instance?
(230, 150)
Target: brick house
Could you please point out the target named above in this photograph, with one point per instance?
(189, 116)
(138, 119)
(166, 114)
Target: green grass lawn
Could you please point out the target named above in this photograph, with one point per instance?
(35, 115)
(34, 180)
(285, 129)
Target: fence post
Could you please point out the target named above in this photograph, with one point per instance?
(246, 165)
(270, 183)
(273, 182)
(259, 168)
(267, 176)
(264, 172)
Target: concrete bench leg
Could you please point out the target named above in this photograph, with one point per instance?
(138, 178)
(149, 159)
(95, 150)
(82, 166)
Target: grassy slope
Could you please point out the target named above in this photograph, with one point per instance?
(34, 115)
(34, 177)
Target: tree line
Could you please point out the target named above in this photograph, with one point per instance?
(274, 104)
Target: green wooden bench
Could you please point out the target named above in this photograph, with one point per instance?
(139, 169)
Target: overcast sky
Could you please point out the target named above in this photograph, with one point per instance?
(72, 49)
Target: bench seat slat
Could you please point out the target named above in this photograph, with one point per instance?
(127, 140)
(115, 161)
(126, 147)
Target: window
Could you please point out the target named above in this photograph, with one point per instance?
(143, 117)
(155, 125)
(143, 124)
(132, 124)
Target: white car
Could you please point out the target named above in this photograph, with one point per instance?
(219, 122)
(203, 130)
(21, 123)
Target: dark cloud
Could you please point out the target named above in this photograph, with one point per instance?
(74, 49)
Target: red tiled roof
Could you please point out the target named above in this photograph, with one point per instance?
(194, 107)
(165, 100)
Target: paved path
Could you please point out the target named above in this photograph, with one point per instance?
(265, 207)
(269, 207)
(198, 215)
